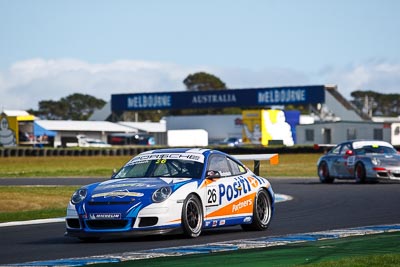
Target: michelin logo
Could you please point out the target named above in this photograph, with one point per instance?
(105, 216)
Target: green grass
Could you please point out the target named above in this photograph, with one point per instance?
(60, 166)
(370, 250)
(290, 165)
(385, 260)
(33, 214)
(20, 203)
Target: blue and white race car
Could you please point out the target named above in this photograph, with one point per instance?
(166, 190)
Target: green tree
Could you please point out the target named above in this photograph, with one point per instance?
(73, 107)
(202, 81)
(377, 104)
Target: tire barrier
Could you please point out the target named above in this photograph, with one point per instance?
(69, 152)
(134, 150)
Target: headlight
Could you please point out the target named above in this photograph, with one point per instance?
(161, 194)
(78, 196)
(376, 161)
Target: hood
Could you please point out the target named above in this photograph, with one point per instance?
(124, 196)
(390, 160)
(134, 187)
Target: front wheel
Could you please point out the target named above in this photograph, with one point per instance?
(359, 173)
(192, 216)
(262, 212)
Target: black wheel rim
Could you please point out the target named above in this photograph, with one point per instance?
(263, 209)
(323, 171)
(193, 216)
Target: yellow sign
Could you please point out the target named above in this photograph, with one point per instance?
(265, 126)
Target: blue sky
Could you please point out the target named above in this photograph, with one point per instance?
(50, 49)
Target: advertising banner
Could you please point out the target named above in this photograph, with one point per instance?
(260, 97)
(268, 127)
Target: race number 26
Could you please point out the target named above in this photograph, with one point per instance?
(212, 196)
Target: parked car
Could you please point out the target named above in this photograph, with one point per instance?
(131, 139)
(83, 141)
(361, 160)
(231, 141)
(169, 190)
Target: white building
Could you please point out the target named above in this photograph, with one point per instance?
(66, 131)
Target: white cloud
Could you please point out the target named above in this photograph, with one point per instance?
(378, 76)
(27, 82)
(237, 78)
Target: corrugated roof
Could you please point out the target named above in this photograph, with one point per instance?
(88, 126)
(150, 127)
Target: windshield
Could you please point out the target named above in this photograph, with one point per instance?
(161, 168)
(375, 150)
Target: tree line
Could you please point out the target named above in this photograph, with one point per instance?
(81, 106)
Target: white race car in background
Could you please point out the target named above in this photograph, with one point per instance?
(362, 160)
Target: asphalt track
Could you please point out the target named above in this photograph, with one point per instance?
(315, 207)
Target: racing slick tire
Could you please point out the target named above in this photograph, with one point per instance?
(359, 173)
(262, 212)
(323, 173)
(192, 216)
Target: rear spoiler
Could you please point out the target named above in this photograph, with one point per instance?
(273, 159)
(324, 147)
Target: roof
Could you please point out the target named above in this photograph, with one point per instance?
(88, 126)
(150, 127)
(15, 113)
(101, 114)
(386, 119)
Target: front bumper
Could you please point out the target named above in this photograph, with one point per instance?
(387, 173)
(150, 220)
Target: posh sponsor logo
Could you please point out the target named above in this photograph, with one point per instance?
(241, 186)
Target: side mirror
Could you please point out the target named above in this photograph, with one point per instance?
(114, 172)
(213, 174)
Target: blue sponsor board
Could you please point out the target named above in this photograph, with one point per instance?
(260, 97)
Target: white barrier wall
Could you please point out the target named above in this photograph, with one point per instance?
(187, 138)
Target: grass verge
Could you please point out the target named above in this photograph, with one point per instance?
(20, 203)
(369, 250)
(290, 165)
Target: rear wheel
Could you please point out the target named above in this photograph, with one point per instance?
(262, 212)
(192, 216)
(359, 173)
(323, 173)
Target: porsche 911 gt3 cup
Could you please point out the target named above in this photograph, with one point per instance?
(166, 190)
(361, 160)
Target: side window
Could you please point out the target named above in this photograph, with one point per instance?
(162, 169)
(219, 163)
(236, 168)
(345, 148)
(335, 150)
